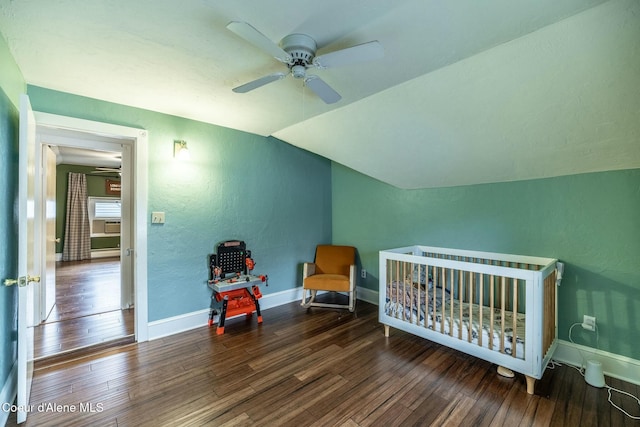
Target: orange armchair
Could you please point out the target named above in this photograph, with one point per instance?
(334, 270)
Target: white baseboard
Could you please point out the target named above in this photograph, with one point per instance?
(105, 253)
(184, 322)
(367, 295)
(613, 365)
(173, 325)
(96, 253)
(9, 392)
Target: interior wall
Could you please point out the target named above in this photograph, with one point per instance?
(588, 221)
(275, 197)
(95, 187)
(11, 86)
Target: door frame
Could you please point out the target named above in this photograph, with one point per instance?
(137, 140)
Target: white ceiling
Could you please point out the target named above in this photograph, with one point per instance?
(468, 92)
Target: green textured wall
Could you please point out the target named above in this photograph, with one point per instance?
(590, 221)
(95, 187)
(275, 197)
(11, 86)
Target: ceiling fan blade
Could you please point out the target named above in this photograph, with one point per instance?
(351, 55)
(259, 82)
(259, 40)
(322, 89)
(107, 171)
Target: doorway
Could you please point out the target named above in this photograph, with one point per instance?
(83, 283)
(82, 303)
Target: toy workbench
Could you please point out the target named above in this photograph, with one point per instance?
(232, 283)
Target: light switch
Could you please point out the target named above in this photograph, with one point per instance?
(157, 217)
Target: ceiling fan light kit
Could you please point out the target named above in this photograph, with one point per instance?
(298, 52)
(301, 48)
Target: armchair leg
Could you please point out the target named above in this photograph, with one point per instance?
(307, 303)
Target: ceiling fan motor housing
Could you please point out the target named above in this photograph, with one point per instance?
(302, 49)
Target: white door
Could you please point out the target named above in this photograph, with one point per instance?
(27, 256)
(48, 285)
(127, 254)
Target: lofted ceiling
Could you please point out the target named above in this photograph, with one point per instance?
(467, 92)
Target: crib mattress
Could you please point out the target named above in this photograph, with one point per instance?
(412, 308)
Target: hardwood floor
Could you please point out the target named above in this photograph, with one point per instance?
(87, 309)
(306, 368)
(86, 287)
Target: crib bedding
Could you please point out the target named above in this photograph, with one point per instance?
(418, 304)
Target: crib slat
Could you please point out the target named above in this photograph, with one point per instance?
(481, 303)
(460, 293)
(443, 283)
(491, 307)
(427, 314)
(470, 326)
(436, 280)
(389, 281)
(397, 282)
(515, 316)
(502, 311)
(419, 293)
(508, 289)
(411, 286)
(404, 291)
(451, 293)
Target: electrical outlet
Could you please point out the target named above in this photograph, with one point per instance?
(589, 323)
(363, 273)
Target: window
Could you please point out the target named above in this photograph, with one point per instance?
(107, 209)
(104, 216)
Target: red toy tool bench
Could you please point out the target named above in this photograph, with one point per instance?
(232, 285)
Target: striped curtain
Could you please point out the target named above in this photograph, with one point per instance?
(77, 239)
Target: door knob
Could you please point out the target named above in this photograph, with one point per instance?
(21, 281)
(57, 240)
(10, 282)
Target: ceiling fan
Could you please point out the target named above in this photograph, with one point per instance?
(298, 52)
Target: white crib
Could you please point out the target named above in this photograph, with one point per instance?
(497, 307)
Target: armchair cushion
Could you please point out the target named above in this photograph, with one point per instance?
(328, 282)
(332, 259)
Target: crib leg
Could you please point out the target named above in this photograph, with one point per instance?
(531, 382)
(386, 331)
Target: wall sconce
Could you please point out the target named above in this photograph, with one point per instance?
(180, 150)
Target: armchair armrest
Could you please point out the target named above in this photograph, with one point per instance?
(308, 269)
(352, 276)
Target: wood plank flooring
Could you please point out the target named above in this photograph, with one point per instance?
(306, 368)
(87, 308)
(85, 288)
